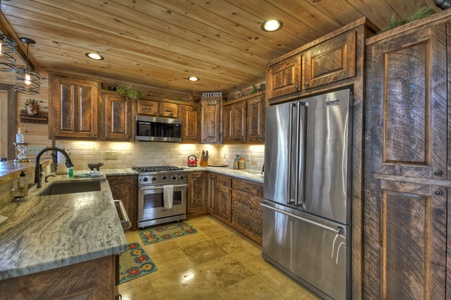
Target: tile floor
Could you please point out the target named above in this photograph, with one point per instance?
(215, 263)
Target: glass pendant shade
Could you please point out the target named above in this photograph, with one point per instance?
(7, 47)
(27, 81)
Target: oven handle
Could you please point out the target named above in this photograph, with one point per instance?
(147, 187)
(126, 224)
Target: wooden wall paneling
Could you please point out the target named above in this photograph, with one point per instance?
(10, 117)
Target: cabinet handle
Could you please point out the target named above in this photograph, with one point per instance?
(306, 84)
(438, 192)
(438, 173)
(296, 87)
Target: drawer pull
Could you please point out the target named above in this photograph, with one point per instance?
(438, 192)
(438, 173)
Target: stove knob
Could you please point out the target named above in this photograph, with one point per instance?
(164, 177)
(174, 177)
(145, 179)
(154, 178)
(181, 177)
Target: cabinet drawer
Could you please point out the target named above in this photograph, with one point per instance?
(246, 186)
(168, 110)
(147, 107)
(247, 204)
(249, 226)
(224, 180)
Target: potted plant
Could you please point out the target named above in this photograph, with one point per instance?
(32, 106)
(128, 91)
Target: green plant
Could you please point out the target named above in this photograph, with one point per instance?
(424, 11)
(128, 91)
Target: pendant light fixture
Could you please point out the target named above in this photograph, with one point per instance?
(7, 47)
(27, 81)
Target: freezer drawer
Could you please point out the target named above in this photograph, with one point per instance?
(311, 250)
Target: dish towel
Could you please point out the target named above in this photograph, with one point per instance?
(168, 192)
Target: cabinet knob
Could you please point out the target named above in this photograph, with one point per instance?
(438, 173)
(306, 84)
(296, 87)
(438, 192)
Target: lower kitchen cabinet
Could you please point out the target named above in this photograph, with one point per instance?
(211, 193)
(196, 195)
(125, 188)
(93, 279)
(246, 209)
(223, 199)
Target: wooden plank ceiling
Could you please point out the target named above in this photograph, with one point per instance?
(160, 43)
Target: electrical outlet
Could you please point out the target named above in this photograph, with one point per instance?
(113, 155)
(33, 150)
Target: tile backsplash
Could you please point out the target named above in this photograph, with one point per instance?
(131, 154)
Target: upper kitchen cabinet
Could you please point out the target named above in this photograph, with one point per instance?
(244, 120)
(73, 108)
(147, 107)
(284, 77)
(190, 116)
(330, 61)
(211, 120)
(407, 178)
(117, 118)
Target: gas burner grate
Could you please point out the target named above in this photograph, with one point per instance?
(157, 169)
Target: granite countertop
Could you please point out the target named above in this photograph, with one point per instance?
(10, 169)
(47, 232)
(252, 175)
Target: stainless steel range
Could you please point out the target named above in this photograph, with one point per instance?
(161, 195)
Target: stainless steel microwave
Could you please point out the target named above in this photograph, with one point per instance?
(157, 129)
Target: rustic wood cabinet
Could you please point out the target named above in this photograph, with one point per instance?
(168, 110)
(223, 198)
(93, 279)
(191, 127)
(246, 209)
(147, 107)
(211, 193)
(117, 118)
(211, 120)
(284, 77)
(234, 123)
(407, 213)
(125, 188)
(330, 61)
(73, 108)
(196, 193)
(244, 120)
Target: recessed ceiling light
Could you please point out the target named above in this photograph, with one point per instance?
(193, 78)
(272, 25)
(94, 56)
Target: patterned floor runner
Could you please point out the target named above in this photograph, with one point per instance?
(134, 263)
(167, 232)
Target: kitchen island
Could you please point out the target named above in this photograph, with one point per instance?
(61, 244)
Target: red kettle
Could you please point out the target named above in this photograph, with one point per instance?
(192, 162)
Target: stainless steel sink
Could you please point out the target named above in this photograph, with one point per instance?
(60, 188)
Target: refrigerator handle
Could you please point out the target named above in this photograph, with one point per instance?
(301, 150)
(338, 230)
(292, 153)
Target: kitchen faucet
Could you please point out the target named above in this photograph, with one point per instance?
(37, 166)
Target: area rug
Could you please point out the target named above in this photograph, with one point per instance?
(134, 263)
(167, 232)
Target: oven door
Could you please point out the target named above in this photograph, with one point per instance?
(151, 208)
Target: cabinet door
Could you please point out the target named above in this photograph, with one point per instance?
(407, 104)
(125, 188)
(168, 110)
(284, 77)
(227, 124)
(256, 120)
(223, 205)
(211, 197)
(117, 118)
(147, 107)
(73, 108)
(247, 214)
(197, 187)
(190, 123)
(330, 61)
(405, 248)
(211, 121)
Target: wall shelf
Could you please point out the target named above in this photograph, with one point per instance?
(40, 118)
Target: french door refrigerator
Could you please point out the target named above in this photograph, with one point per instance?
(307, 192)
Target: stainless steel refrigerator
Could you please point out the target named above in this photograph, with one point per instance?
(307, 192)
